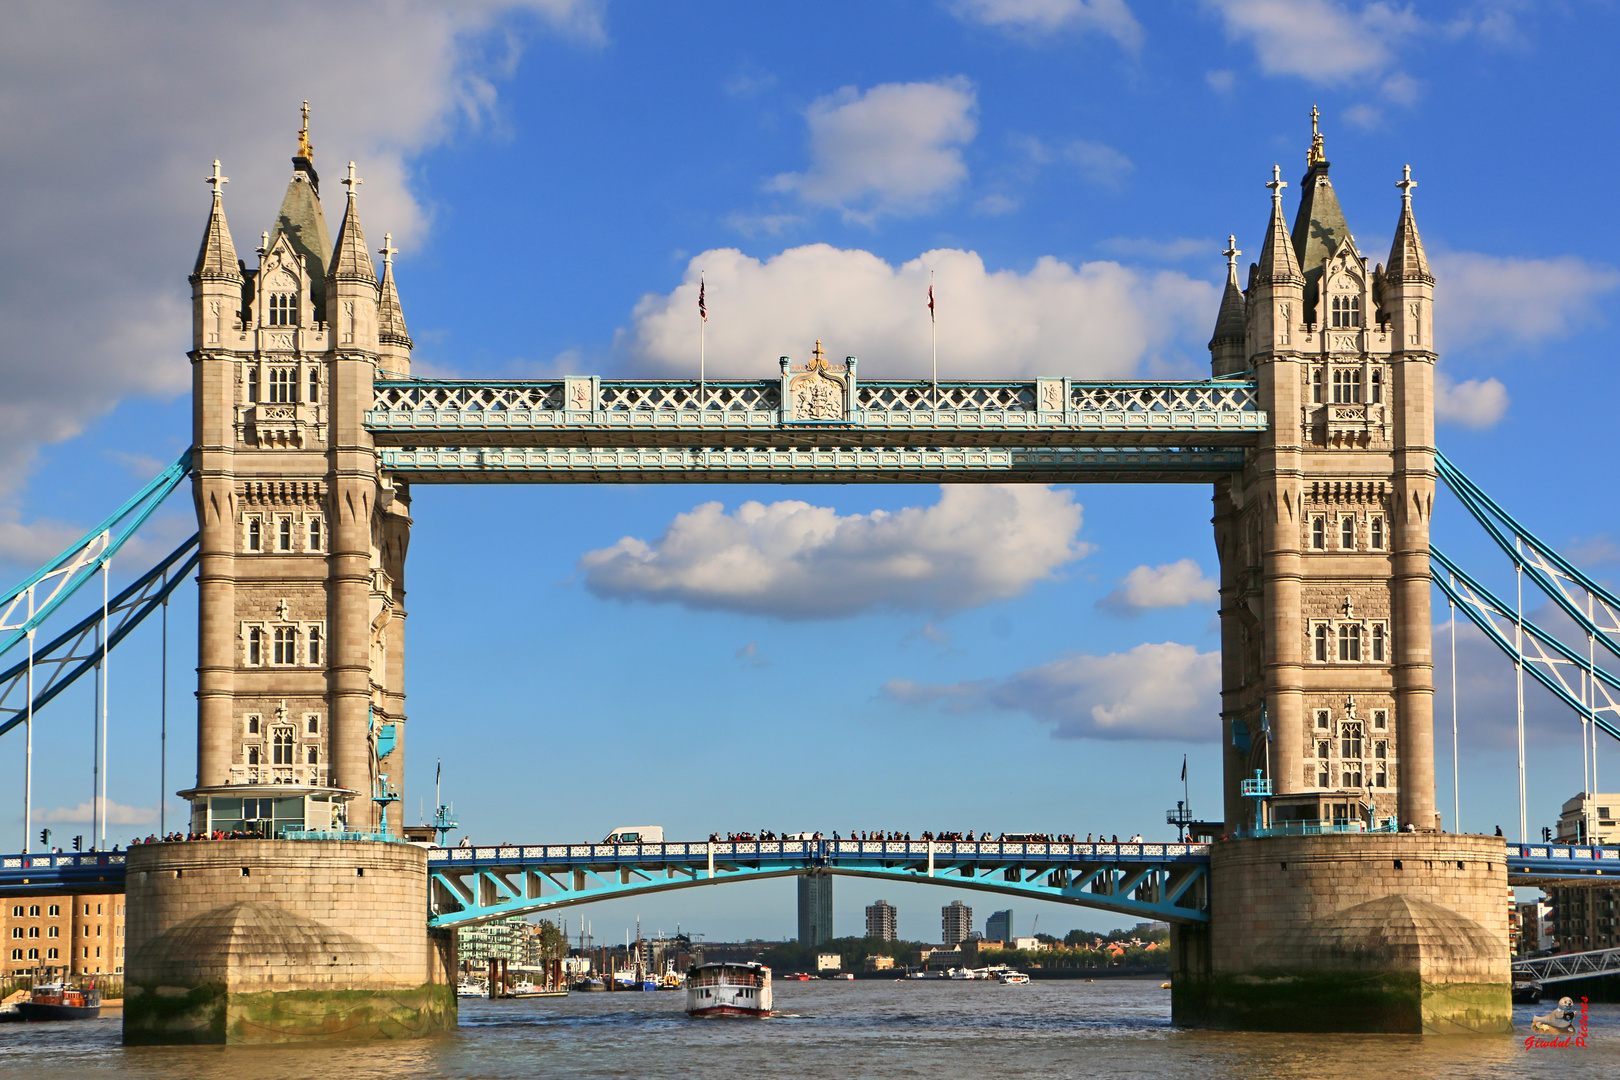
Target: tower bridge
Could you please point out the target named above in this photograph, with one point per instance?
(1315, 432)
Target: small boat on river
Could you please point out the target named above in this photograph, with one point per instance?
(729, 990)
(59, 1001)
(1012, 978)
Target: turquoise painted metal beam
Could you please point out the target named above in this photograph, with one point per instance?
(1149, 881)
(588, 411)
(811, 465)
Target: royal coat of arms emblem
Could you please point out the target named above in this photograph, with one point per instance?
(818, 392)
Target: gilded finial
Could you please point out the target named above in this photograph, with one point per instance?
(821, 357)
(1317, 155)
(305, 151)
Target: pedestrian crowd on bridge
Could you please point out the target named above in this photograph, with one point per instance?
(217, 834)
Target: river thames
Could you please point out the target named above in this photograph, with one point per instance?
(843, 1030)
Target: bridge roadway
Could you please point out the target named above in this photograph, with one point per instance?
(470, 885)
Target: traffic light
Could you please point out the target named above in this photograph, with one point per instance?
(1546, 835)
(78, 843)
(45, 837)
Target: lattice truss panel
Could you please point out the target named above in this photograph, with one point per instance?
(1150, 881)
(442, 413)
(1566, 966)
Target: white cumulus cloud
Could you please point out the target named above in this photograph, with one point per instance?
(792, 560)
(1504, 298)
(1098, 320)
(1472, 403)
(116, 813)
(113, 114)
(894, 149)
(1321, 41)
(1154, 691)
(1112, 18)
(1169, 585)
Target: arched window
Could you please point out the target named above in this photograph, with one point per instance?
(33, 911)
(315, 534)
(1347, 534)
(282, 747)
(255, 646)
(1346, 311)
(314, 655)
(16, 954)
(255, 535)
(50, 954)
(55, 910)
(33, 954)
(1322, 644)
(1347, 386)
(53, 932)
(283, 385)
(1350, 643)
(33, 931)
(1378, 642)
(283, 309)
(312, 755)
(253, 755)
(286, 646)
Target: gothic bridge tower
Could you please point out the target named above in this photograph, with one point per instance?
(1323, 538)
(301, 627)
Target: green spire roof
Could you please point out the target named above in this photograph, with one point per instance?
(1319, 227)
(303, 223)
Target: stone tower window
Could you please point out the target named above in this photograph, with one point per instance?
(1316, 386)
(1350, 753)
(253, 755)
(1321, 654)
(312, 723)
(312, 755)
(283, 385)
(1378, 636)
(1346, 386)
(284, 534)
(250, 379)
(253, 723)
(1376, 528)
(314, 658)
(255, 534)
(282, 746)
(1347, 534)
(255, 646)
(314, 385)
(1381, 719)
(1350, 642)
(1319, 532)
(1322, 720)
(1346, 311)
(315, 538)
(286, 647)
(283, 309)
(1377, 386)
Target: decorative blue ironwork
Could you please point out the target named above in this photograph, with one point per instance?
(594, 411)
(1529, 864)
(74, 652)
(1155, 881)
(94, 871)
(1259, 787)
(27, 606)
(811, 465)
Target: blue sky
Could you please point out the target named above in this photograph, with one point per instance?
(556, 174)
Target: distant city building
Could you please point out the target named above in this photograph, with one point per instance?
(505, 939)
(829, 961)
(880, 963)
(1589, 819)
(81, 934)
(999, 926)
(815, 909)
(1027, 944)
(882, 921)
(1534, 930)
(956, 922)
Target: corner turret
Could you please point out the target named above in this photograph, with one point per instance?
(216, 279)
(393, 340)
(1228, 348)
(351, 283)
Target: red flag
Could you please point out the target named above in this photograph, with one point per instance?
(930, 301)
(703, 308)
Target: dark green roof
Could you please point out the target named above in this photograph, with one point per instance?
(302, 221)
(1319, 227)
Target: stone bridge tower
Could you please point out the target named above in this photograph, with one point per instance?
(1323, 538)
(301, 625)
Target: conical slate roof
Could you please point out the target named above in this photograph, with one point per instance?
(390, 316)
(216, 259)
(1407, 262)
(350, 259)
(1231, 325)
(1319, 226)
(303, 223)
(1278, 264)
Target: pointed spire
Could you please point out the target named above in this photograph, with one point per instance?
(216, 259)
(1319, 225)
(390, 316)
(1231, 325)
(350, 259)
(1407, 262)
(302, 221)
(1277, 262)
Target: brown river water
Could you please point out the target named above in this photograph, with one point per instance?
(842, 1030)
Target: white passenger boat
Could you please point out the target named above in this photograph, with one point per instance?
(1012, 978)
(961, 974)
(728, 990)
(466, 988)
